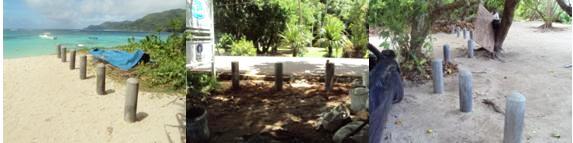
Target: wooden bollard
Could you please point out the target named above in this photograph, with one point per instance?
(131, 100)
(465, 85)
(59, 49)
(471, 47)
(64, 54)
(83, 63)
(446, 51)
(514, 118)
(278, 76)
(438, 76)
(235, 77)
(329, 77)
(100, 68)
(73, 59)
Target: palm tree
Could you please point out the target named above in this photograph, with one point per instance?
(332, 34)
(296, 37)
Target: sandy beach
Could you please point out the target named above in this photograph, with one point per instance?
(534, 66)
(45, 101)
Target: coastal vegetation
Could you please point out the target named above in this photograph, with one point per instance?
(160, 21)
(291, 27)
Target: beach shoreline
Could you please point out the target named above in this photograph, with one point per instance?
(45, 101)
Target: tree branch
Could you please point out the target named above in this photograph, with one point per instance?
(564, 6)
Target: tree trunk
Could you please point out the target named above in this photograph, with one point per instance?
(329, 54)
(501, 33)
(565, 6)
(294, 51)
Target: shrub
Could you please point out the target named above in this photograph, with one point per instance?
(243, 47)
(225, 42)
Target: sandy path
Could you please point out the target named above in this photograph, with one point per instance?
(534, 62)
(44, 101)
(296, 66)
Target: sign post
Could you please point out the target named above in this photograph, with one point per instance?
(200, 47)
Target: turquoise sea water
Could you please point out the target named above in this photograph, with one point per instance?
(25, 43)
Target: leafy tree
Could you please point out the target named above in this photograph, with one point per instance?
(544, 9)
(407, 24)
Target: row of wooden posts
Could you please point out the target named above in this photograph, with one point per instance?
(515, 103)
(132, 83)
(328, 81)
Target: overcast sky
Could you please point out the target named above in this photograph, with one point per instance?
(76, 14)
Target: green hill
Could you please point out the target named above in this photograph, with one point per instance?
(162, 21)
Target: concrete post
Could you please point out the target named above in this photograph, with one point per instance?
(131, 100)
(465, 82)
(471, 47)
(73, 59)
(458, 30)
(514, 118)
(446, 51)
(465, 33)
(278, 76)
(235, 75)
(64, 54)
(100, 79)
(83, 63)
(365, 78)
(438, 76)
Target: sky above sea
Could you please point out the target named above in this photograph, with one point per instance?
(78, 14)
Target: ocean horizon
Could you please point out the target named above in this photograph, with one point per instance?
(30, 42)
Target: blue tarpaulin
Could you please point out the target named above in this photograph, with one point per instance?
(120, 59)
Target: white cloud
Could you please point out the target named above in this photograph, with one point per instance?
(81, 13)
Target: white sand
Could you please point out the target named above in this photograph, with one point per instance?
(534, 67)
(44, 101)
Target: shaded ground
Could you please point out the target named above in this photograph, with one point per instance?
(287, 116)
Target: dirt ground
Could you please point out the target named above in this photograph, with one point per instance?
(534, 66)
(290, 115)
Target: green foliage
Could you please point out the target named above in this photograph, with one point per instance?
(225, 42)
(201, 83)
(332, 34)
(564, 18)
(160, 21)
(243, 47)
(546, 10)
(357, 26)
(296, 37)
(406, 25)
(263, 21)
(492, 5)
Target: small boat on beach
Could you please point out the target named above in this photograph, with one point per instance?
(47, 35)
